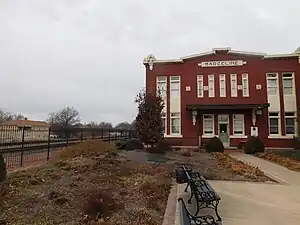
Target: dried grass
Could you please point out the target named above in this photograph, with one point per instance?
(88, 183)
(289, 163)
(237, 166)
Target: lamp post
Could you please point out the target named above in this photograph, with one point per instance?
(194, 114)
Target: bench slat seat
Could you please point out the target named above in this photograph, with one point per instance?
(205, 195)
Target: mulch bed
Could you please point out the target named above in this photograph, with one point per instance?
(88, 183)
(287, 162)
(210, 166)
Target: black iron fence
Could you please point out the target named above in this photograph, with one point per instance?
(22, 146)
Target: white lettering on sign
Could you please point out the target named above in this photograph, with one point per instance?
(222, 63)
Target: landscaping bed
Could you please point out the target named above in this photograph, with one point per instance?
(214, 166)
(238, 167)
(88, 183)
(287, 162)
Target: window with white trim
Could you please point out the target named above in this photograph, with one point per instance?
(290, 123)
(238, 124)
(161, 86)
(222, 80)
(274, 128)
(233, 85)
(175, 123)
(211, 86)
(245, 84)
(174, 86)
(164, 122)
(200, 85)
(288, 83)
(208, 124)
(272, 83)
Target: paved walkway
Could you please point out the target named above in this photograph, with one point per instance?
(252, 203)
(275, 171)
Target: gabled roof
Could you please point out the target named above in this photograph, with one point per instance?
(22, 123)
(150, 59)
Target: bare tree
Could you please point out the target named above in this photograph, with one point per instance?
(123, 126)
(92, 124)
(66, 117)
(105, 125)
(7, 116)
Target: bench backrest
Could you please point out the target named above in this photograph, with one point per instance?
(184, 218)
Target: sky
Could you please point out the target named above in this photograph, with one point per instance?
(88, 54)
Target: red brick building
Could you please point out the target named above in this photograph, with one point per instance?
(229, 94)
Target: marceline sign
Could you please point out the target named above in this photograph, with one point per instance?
(222, 63)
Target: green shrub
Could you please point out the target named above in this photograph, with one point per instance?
(254, 145)
(3, 172)
(121, 144)
(214, 145)
(161, 147)
(134, 144)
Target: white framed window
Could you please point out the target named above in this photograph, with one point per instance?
(208, 124)
(222, 79)
(288, 83)
(175, 124)
(272, 83)
(161, 86)
(238, 124)
(233, 85)
(200, 86)
(274, 123)
(245, 84)
(164, 122)
(290, 123)
(174, 87)
(211, 86)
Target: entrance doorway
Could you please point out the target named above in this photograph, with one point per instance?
(223, 124)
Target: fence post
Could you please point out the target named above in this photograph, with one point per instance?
(67, 135)
(92, 133)
(22, 145)
(116, 135)
(129, 134)
(81, 134)
(102, 133)
(108, 135)
(48, 150)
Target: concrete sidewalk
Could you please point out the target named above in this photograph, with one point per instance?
(275, 171)
(251, 203)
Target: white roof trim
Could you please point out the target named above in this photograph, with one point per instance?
(197, 55)
(168, 61)
(282, 55)
(247, 53)
(152, 59)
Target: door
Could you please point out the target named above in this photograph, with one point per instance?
(224, 129)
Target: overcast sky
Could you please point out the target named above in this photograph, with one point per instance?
(88, 53)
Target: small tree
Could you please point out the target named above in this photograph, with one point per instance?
(149, 125)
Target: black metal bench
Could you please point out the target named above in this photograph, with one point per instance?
(187, 219)
(205, 195)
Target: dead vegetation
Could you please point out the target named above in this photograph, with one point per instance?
(240, 168)
(287, 162)
(88, 183)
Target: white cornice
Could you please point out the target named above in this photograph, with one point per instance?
(282, 55)
(151, 59)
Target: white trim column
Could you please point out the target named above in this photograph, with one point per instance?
(253, 117)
